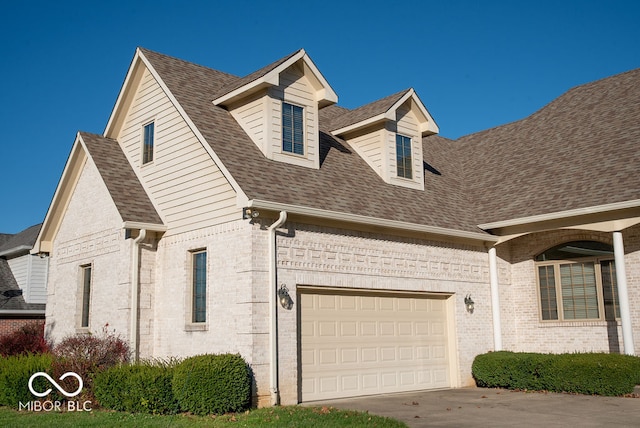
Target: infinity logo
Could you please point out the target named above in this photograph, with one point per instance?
(54, 383)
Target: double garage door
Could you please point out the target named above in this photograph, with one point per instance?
(361, 343)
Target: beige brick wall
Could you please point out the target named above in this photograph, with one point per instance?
(522, 328)
(90, 233)
(321, 256)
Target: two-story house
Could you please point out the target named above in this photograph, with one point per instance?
(345, 252)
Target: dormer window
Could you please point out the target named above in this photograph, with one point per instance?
(403, 156)
(292, 129)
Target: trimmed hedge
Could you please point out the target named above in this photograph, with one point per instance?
(15, 372)
(590, 373)
(138, 388)
(217, 384)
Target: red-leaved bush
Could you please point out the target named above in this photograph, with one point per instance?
(28, 339)
(86, 354)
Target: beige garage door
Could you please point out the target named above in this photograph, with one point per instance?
(364, 343)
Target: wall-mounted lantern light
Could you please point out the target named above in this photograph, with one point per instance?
(469, 303)
(284, 298)
(249, 213)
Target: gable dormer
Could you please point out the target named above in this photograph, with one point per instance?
(387, 134)
(277, 106)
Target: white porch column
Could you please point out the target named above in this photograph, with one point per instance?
(623, 295)
(495, 299)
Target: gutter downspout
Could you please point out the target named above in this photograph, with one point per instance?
(495, 299)
(273, 314)
(135, 287)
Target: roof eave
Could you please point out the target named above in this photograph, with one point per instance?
(561, 215)
(370, 221)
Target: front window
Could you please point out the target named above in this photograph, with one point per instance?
(147, 144)
(199, 286)
(577, 282)
(403, 156)
(86, 294)
(292, 129)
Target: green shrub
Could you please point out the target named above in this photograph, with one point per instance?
(218, 384)
(139, 388)
(15, 372)
(591, 373)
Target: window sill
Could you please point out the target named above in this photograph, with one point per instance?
(196, 327)
(580, 323)
(83, 330)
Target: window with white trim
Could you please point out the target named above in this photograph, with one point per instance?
(292, 129)
(577, 281)
(199, 286)
(148, 137)
(403, 156)
(85, 276)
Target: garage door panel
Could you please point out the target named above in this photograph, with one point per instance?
(369, 344)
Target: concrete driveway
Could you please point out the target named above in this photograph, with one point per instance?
(480, 407)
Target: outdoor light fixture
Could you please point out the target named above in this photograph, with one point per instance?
(249, 213)
(468, 303)
(284, 298)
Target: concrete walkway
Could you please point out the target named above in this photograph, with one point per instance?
(480, 407)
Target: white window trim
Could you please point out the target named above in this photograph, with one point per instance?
(558, 289)
(190, 324)
(142, 140)
(305, 146)
(80, 296)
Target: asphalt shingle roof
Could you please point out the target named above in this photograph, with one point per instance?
(344, 182)
(127, 192)
(25, 238)
(581, 150)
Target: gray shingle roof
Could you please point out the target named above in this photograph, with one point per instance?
(230, 87)
(23, 239)
(344, 182)
(365, 112)
(581, 150)
(129, 196)
(9, 299)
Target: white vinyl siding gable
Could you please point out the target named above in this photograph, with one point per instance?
(295, 89)
(407, 125)
(30, 273)
(184, 183)
(251, 114)
(376, 144)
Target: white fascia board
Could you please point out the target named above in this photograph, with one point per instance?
(428, 125)
(152, 227)
(122, 93)
(193, 127)
(372, 221)
(77, 155)
(362, 124)
(272, 78)
(558, 215)
(329, 96)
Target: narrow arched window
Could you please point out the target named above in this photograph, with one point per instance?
(577, 281)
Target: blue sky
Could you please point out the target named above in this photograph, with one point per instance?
(474, 64)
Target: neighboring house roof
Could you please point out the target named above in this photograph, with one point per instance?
(344, 182)
(21, 242)
(581, 150)
(127, 192)
(10, 294)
